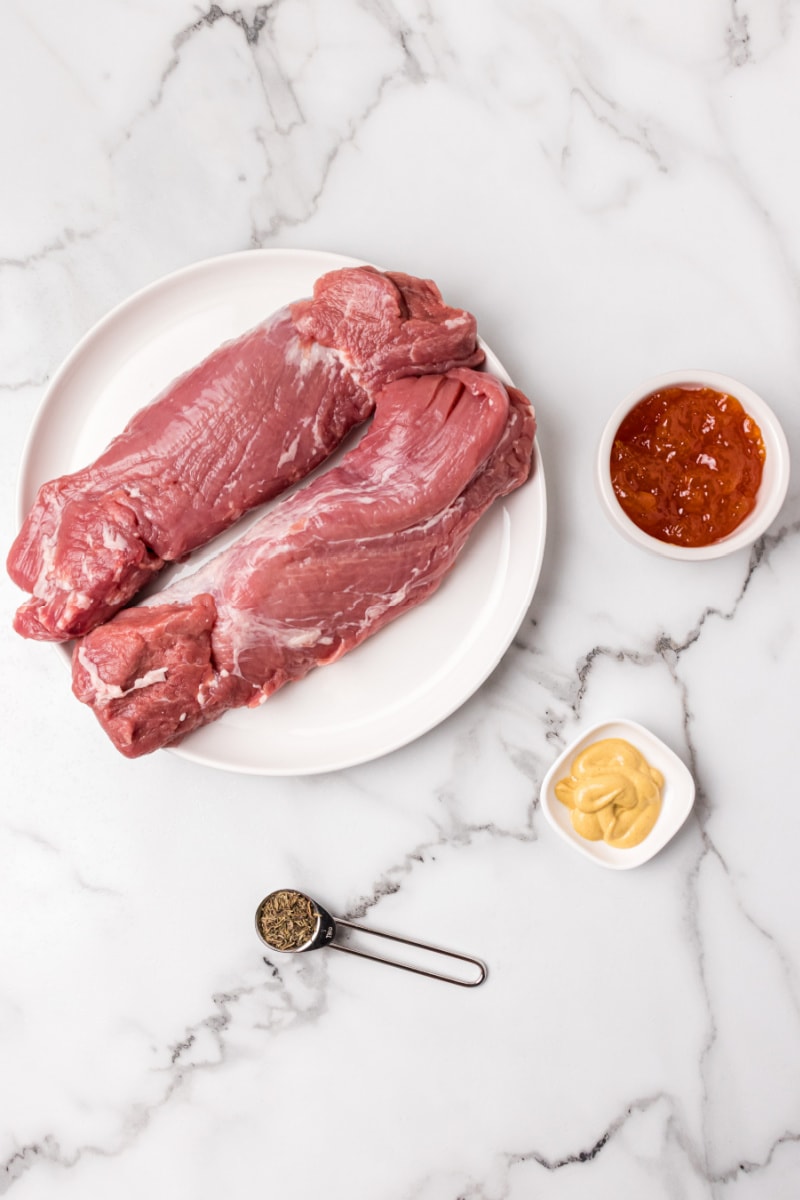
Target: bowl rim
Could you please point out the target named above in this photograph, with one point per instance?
(767, 505)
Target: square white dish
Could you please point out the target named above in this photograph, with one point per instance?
(677, 797)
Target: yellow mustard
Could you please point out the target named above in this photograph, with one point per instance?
(613, 793)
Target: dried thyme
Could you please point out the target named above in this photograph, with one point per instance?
(287, 920)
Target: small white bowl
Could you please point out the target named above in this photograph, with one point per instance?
(677, 796)
(774, 481)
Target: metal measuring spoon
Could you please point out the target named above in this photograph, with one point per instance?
(291, 923)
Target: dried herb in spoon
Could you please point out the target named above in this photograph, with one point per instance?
(287, 920)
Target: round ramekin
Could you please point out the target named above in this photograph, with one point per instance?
(774, 481)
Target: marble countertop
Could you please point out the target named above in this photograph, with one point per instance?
(613, 189)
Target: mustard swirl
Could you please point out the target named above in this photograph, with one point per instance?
(613, 793)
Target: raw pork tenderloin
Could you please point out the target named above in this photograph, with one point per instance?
(256, 416)
(321, 572)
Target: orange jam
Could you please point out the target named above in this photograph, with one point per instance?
(686, 464)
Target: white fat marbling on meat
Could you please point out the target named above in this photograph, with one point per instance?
(306, 637)
(290, 453)
(346, 362)
(244, 630)
(112, 538)
(45, 583)
(104, 692)
(304, 356)
(78, 602)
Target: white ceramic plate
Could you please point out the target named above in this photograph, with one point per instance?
(677, 796)
(397, 685)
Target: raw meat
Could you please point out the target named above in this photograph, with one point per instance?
(321, 572)
(256, 416)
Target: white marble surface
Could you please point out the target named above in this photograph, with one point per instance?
(613, 189)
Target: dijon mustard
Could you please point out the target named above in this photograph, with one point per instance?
(613, 793)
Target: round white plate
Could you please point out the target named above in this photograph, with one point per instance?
(394, 687)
